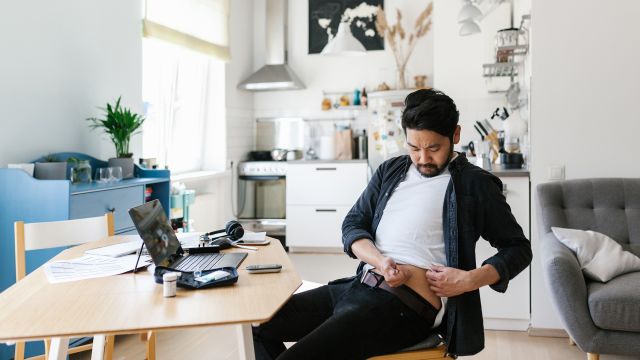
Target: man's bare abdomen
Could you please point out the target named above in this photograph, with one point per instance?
(418, 283)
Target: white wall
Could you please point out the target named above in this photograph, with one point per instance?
(334, 73)
(59, 61)
(458, 63)
(584, 99)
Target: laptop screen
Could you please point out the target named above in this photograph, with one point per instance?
(158, 236)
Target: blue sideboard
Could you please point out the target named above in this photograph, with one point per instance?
(23, 198)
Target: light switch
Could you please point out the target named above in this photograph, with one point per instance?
(556, 172)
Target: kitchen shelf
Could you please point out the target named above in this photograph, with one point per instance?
(348, 107)
(513, 50)
(502, 69)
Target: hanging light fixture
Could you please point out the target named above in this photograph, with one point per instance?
(344, 43)
(468, 12)
(470, 15)
(469, 27)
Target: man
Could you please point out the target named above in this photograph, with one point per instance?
(418, 212)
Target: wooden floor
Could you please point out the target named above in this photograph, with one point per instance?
(219, 344)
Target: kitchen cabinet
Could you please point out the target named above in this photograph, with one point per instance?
(319, 195)
(511, 310)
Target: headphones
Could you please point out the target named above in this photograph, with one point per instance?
(232, 230)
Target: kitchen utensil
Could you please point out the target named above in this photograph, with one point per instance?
(260, 155)
(479, 132)
(511, 160)
(294, 155)
(492, 137)
(279, 154)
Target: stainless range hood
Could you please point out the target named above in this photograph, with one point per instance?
(276, 74)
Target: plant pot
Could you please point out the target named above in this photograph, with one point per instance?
(50, 170)
(125, 163)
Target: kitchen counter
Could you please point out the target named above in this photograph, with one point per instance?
(499, 171)
(304, 161)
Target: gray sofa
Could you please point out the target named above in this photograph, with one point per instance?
(599, 317)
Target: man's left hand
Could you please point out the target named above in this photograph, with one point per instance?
(445, 281)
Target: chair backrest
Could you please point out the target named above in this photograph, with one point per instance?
(46, 235)
(608, 206)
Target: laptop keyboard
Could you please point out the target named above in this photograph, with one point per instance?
(198, 262)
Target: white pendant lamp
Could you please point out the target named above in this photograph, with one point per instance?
(469, 27)
(344, 43)
(469, 11)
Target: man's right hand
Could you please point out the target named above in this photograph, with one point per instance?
(393, 275)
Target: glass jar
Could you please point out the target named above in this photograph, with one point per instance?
(81, 172)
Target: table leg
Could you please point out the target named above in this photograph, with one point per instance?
(58, 350)
(97, 351)
(245, 342)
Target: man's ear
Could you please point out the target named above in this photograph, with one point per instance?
(456, 134)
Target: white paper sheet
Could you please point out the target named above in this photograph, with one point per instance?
(254, 238)
(117, 250)
(91, 266)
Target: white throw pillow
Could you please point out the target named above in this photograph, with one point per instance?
(601, 258)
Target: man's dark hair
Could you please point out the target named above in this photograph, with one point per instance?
(430, 109)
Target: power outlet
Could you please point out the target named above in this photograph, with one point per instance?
(556, 172)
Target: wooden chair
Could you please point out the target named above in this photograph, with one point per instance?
(48, 235)
(430, 348)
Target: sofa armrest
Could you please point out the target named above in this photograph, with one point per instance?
(567, 288)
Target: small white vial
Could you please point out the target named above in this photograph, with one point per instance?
(169, 284)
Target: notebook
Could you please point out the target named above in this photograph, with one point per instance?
(163, 245)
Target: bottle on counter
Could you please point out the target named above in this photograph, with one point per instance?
(362, 145)
(363, 97)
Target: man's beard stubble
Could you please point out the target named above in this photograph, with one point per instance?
(438, 170)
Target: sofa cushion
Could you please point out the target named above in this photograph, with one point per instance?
(601, 258)
(616, 305)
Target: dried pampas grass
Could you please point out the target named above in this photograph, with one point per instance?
(395, 35)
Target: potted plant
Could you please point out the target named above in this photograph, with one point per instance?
(120, 124)
(50, 168)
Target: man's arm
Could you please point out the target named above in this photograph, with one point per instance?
(366, 251)
(447, 282)
(504, 233)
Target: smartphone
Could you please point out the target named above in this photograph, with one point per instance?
(263, 268)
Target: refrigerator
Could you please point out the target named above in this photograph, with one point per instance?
(384, 129)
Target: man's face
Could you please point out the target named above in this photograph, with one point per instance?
(430, 152)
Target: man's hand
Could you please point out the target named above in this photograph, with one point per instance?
(447, 282)
(392, 274)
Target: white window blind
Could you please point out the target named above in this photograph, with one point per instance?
(199, 25)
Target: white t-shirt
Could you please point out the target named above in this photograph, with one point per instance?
(410, 231)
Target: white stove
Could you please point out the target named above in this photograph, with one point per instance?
(262, 169)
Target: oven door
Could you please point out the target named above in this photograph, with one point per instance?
(262, 204)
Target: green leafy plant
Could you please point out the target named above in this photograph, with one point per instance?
(50, 158)
(120, 124)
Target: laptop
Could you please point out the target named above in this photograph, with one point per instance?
(163, 245)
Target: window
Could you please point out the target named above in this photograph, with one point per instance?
(183, 83)
(177, 84)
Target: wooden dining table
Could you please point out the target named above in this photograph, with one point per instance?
(34, 308)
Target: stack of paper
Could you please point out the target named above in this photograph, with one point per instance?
(91, 266)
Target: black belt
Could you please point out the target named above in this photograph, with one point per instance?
(409, 297)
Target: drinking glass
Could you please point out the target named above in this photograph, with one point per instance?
(103, 175)
(116, 173)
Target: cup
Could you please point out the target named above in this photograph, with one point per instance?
(103, 175)
(116, 173)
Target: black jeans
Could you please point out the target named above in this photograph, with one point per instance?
(342, 320)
